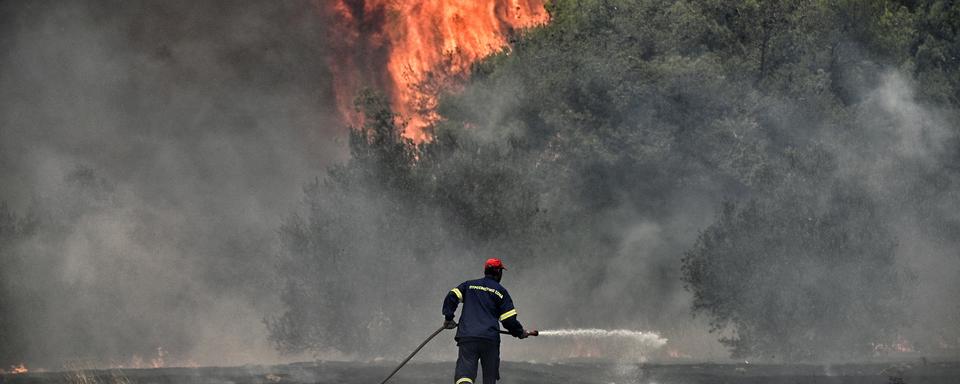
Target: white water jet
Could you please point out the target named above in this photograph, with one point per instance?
(648, 339)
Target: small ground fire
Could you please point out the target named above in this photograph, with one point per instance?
(19, 369)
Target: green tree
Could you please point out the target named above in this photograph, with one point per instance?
(787, 280)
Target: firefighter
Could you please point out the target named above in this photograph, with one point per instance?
(485, 303)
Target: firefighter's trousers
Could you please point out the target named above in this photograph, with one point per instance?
(488, 354)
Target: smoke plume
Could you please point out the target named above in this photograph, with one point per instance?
(150, 151)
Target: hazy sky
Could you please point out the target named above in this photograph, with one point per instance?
(200, 122)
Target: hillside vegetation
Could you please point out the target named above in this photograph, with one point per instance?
(793, 165)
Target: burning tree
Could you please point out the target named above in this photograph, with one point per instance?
(418, 45)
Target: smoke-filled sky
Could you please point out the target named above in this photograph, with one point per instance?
(167, 139)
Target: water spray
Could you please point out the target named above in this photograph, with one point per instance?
(651, 339)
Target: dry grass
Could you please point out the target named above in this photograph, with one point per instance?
(86, 373)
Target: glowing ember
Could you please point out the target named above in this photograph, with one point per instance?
(900, 345)
(158, 362)
(414, 49)
(903, 345)
(19, 369)
(677, 354)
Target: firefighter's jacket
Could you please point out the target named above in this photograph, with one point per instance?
(485, 303)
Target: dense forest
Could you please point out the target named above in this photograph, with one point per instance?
(786, 171)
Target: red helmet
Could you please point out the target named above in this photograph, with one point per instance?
(494, 263)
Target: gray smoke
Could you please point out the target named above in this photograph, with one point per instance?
(156, 145)
(901, 162)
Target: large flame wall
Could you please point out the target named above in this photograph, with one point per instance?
(413, 49)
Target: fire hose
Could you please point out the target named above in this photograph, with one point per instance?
(432, 335)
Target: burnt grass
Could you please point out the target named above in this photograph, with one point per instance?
(914, 372)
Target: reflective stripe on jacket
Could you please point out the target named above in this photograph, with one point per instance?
(486, 303)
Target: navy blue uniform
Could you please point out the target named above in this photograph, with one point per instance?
(485, 304)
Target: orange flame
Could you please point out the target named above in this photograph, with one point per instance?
(415, 49)
(19, 369)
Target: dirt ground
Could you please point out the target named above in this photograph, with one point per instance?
(912, 372)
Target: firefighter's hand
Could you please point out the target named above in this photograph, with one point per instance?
(525, 334)
(449, 324)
